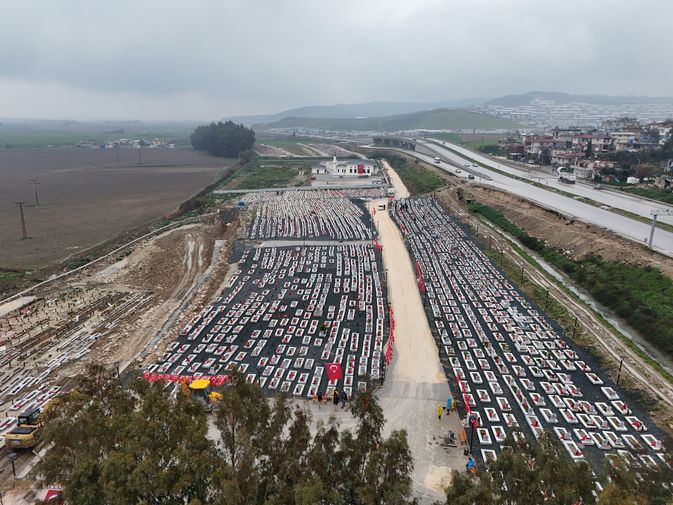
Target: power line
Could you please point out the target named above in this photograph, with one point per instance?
(23, 221)
(35, 182)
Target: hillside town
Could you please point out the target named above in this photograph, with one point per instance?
(622, 148)
(546, 113)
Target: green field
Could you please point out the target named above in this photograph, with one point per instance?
(10, 275)
(415, 176)
(653, 193)
(469, 140)
(641, 296)
(46, 134)
(262, 173)
(436, 119)
(290, 146)
(454, 138)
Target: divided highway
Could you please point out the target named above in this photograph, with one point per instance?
(624, 226)
(618, 200)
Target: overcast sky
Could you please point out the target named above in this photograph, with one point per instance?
(206, 59)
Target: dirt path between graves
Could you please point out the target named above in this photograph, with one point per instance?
(415, 382)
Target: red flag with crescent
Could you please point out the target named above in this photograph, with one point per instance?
(334, 371)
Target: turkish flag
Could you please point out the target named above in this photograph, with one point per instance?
(334, 371)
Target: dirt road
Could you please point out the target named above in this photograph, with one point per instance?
(415, 382)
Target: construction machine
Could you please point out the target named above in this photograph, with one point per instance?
(27, 432)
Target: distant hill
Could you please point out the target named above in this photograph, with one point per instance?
(436, 119)
(357, 110)
(564, 98)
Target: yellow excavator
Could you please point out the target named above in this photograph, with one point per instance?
(202, 390)
(27, 431)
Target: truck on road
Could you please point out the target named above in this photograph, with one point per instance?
(566, 175)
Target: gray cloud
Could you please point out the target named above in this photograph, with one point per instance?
(210, 58)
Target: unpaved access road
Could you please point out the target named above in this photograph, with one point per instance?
(415, 383)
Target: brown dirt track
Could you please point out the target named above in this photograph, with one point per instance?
(86, 196)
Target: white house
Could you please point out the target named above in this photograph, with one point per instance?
(345, 168)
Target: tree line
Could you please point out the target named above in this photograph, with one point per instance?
(226, 139)
(137, 445)
(108, 445)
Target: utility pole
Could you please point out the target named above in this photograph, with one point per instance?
(35, 182)
(619, 373)
(23, 221)
(654, 213)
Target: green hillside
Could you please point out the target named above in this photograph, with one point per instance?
(436, 119)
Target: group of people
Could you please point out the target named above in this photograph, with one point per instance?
(336, 398)
(449, 407)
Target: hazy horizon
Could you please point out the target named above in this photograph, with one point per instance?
(162, 61)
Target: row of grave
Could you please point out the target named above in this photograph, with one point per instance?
(319, 214)
(285, 314)
(512, 370)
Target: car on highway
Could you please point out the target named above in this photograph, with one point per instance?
(598, 186)
(475, 165)
(470, 176)
(458, 170)
(437, 160)
(467, 165)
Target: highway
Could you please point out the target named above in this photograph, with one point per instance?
(618, 200)
(624, 226)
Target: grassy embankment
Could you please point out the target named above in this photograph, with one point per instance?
(652, 193)
(639, 295)
(415, 176)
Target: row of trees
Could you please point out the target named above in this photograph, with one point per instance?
(544, 474)
(108, 445)
(223, 139)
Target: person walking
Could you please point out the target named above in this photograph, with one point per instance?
(439, 411)
(343, 399)
(319, 399)
(335, 398)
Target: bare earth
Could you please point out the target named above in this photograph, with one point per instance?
(579, 238)
(87, 197)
